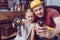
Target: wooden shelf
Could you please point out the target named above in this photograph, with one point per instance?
(3, 4)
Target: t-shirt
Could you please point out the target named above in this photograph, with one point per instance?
(48, 19)
(26, 29)
(50, 14)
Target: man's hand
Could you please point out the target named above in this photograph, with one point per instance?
(41, 31)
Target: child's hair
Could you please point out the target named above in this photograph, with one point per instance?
(28, 11)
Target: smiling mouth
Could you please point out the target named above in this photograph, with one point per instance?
(40, 13)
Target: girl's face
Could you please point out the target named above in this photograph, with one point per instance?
(29, 17)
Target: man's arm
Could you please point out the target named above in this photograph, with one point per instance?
(57, 28)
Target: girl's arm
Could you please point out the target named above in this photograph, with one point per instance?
(13, 25)
(32, 33)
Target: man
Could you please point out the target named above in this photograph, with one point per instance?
(51, 19)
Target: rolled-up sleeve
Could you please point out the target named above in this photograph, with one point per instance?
(54, 13)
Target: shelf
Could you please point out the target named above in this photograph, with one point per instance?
(3, 0)
(3, 4)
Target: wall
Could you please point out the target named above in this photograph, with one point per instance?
(53, 2)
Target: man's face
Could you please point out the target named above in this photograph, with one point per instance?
(39, 11)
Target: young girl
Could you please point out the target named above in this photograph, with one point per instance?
(27, 27)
